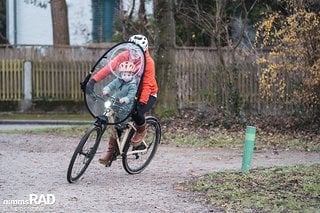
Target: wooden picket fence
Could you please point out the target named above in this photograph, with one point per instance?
(57, 77)
(11, 80)
(59, 80)
(51, 80)
(199, 82)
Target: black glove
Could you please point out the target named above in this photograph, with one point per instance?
(83, 84)
(90, 86)
(139, 109)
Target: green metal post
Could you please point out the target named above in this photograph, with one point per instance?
(248, 149)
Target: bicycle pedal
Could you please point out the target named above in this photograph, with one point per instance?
(108, 164)
(113, 158)
(139, 147)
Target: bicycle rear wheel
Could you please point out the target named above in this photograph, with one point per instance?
(136, 159)
(84, 153)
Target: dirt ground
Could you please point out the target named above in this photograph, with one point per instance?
(37, 164)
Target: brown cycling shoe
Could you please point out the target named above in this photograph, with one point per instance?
(139, 135)
(106, 157)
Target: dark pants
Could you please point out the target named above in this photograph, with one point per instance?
(138, 115)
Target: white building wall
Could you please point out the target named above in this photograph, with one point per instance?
(127, 5)
(80, 21)
(34, 24)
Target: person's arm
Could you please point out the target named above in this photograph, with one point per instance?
(132, 90)
(147, 82)
(105, 71)
(110, 87)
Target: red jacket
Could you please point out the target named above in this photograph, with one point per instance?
(148, 84)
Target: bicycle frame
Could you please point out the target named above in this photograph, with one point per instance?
(141, 155)
(121, 141)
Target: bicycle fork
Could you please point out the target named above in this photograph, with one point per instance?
(122, 137)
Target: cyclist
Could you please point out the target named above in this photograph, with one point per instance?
(124, 88)
(147, 92)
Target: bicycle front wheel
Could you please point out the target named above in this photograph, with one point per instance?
(136, 159)
(84, 153)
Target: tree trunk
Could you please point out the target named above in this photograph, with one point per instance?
(165, 57)
(142, 17)
(60, 27)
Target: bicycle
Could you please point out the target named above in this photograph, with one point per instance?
(134, 159)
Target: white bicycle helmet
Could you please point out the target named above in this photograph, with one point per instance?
(140, 40)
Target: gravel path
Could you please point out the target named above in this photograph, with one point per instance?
(37, 164)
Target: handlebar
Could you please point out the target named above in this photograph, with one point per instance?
(96, 97)
(113, 99)
(108, 105)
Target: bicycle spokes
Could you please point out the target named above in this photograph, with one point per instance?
(84, 153)
(137, 158)
(134, 158)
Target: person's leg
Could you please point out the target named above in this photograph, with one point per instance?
(106, 157)
(140, 121)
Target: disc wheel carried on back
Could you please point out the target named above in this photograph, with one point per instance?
(84, 153)
(136, 159)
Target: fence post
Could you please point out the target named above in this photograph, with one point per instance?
(27, 89)
(248, 149)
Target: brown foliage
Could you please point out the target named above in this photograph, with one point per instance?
(211, 118)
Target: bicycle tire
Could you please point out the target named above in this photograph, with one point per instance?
(82, 151)
(136, 163)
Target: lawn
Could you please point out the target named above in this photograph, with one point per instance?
(276, 189)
